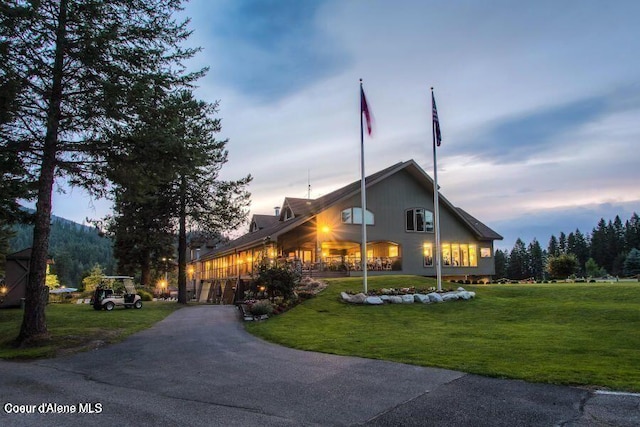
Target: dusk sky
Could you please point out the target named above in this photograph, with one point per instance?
(539, 102)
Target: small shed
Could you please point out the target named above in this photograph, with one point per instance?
(16, 277)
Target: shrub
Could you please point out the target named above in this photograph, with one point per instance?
(145, 295)
(261, 307)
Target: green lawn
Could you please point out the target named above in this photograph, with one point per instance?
(579, 334)
(78, 327)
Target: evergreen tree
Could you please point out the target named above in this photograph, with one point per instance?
(593, 269)
(562, 243)
(501, 263)
(632, 233)
(632, 263)
(577, 245)
(552, 249)
(202, 199)
(78, 65)
(599, 249)
(536, 260)
(518, 261)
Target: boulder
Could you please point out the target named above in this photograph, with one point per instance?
(434, 297)
(385, 298)
(373, 300)
(358, 298)
(407, 299)
(395, 299)
(464, 295)
(345, 297)
(449, 297)
(472, 294)
(421, 298)
(461, 289)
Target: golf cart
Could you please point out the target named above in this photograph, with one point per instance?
(116, 291)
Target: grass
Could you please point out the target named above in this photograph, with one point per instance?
(575, 334)
(78, 327)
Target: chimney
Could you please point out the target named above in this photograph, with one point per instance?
(277, 209)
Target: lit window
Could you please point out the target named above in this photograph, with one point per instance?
(354, 216)
(393, 250)
(459, 255)
(427, 252)
(446, 254)
(419, 219)
(485, 252)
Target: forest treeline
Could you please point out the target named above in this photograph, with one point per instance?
(74, 248)
(612, 248)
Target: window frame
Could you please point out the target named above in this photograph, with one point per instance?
(415, 220)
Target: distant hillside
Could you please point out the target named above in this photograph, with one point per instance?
(75, 248)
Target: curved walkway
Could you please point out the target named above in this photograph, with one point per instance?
(198, 367)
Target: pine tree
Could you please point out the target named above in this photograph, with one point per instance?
(577, 245)
(632, 233)
(562, 243)
(518, 261)
(78, 65)
(501, 263)
(552, 249)
(536, 260)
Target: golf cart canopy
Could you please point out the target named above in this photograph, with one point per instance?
(127, 281)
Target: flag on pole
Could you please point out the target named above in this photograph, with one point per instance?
(364, 109)
(436, 122)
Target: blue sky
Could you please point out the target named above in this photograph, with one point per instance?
(539, 102)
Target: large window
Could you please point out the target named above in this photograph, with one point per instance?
(354, 216)
(459, 255)
(419, 220)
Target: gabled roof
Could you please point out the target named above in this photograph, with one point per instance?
(264, 221)
(306, 209)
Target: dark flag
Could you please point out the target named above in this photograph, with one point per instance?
(436, 123)
(364, 109)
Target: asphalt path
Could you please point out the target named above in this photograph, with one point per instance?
(199, 367)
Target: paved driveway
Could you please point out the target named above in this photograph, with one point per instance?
(198, 367)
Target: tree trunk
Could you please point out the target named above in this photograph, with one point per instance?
(182, 244)
(145, 269)
(34, 326)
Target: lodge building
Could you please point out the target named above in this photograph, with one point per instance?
(322, 237)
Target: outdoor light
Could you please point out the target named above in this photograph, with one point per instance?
(325, 229)
(3, 290)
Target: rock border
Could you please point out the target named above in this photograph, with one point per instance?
(430, 298)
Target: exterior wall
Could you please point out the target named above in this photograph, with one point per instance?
(388, 200)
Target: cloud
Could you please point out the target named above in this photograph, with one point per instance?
(269, 49)
(516, 139)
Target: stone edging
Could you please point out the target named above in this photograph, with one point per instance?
(433, 297)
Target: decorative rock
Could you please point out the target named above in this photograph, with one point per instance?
(358, 298)
(395, 299)
(421, 298)
(434, 297)
(472, 294)
(449, 297)
(464, 295)
(373, 301)
(345, 297)
(461, 289)
(385, 298)
(407, 299)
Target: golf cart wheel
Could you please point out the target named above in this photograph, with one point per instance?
(109, 306)
(138, 304)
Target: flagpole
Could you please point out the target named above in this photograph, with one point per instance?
(363, 246)
(436, 206)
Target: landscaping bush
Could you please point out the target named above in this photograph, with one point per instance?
(145, 295)
(261, 307)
